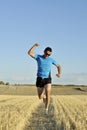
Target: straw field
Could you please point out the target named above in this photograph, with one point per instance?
(14, 111)
(66, 112)
(71, 112)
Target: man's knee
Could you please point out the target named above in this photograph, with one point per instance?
(40, 96)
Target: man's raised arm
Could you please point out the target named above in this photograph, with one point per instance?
(31, 50)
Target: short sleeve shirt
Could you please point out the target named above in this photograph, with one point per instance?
(44, 65)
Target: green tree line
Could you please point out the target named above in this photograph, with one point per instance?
(2, 83)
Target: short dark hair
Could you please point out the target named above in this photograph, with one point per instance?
(48, 49)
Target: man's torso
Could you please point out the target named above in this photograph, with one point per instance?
(44, 65)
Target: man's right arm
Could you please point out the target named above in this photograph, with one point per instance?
(31, 50)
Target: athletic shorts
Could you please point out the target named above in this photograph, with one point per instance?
(40, 82)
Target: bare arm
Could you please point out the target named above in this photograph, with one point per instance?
(59, 71)
(31, 50)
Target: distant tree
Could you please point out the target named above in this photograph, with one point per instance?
(2, 83)
(7, 83)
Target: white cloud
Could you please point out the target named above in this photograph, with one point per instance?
(75, 78)
(20, 80)
(70, 78)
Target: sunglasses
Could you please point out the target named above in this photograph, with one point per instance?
(47, 54)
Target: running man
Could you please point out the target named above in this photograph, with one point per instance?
(43, 81)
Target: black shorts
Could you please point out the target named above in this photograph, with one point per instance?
(40, 82)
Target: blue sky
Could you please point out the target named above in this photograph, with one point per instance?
(60, 24)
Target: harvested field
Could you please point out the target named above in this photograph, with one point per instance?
(32, 90)
(15, 110)
(66, 112)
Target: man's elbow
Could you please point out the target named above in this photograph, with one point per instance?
(30, 53)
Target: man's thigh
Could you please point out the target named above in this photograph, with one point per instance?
(40, 90)
(48, 87)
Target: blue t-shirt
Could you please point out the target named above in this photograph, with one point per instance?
(44, 65)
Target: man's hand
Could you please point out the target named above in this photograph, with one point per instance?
(37, 44)
(58, 75)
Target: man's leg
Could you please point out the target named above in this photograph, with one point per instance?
(40, 91)
(47, 91)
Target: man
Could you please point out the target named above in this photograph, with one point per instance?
(43, 81)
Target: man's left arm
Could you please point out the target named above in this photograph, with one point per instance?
(59, 71)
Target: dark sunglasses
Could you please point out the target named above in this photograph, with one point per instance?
(47, 54)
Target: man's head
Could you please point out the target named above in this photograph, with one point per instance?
(47, 51)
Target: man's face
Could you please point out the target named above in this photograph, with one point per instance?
(47, 53)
